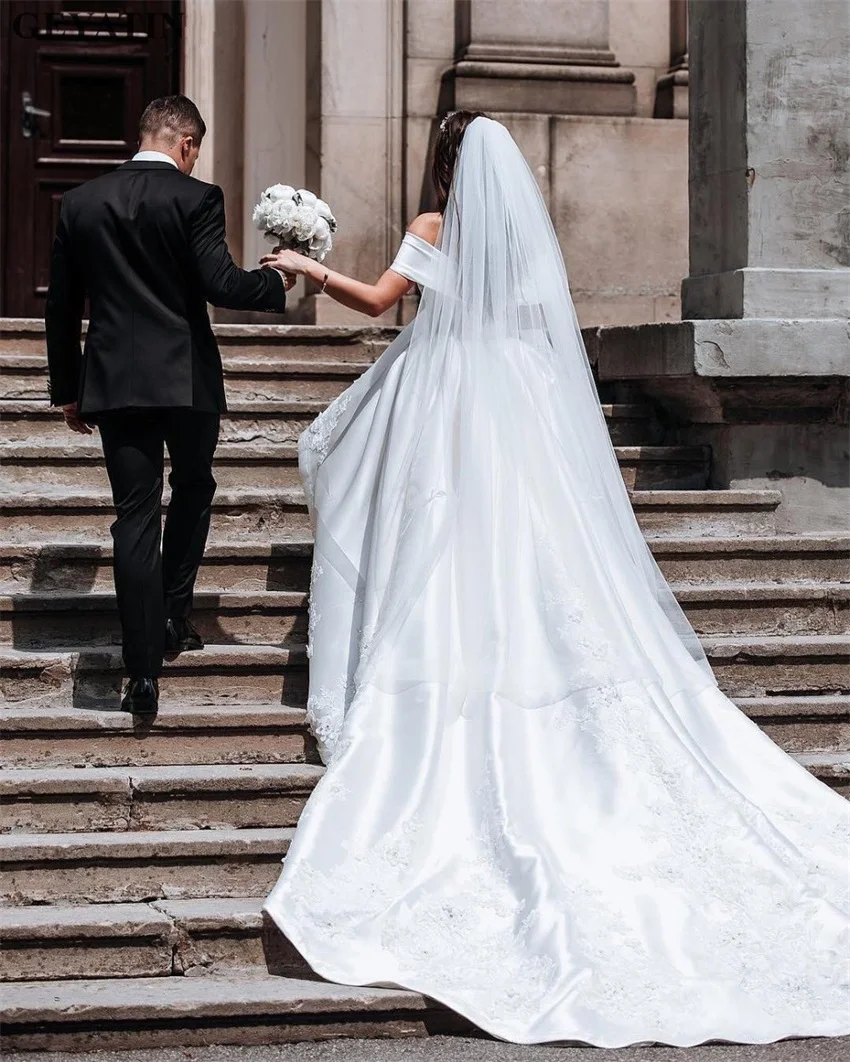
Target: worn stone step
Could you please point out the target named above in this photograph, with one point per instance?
(34, 734)
(78, 463)
(209, 797)
(706, 512)
(746, 666)
(761, 665)
(761, 558)
(766, 608)
(52, 513)
(265, 342)
(148, 865)
(198, 1011)
(55, 619)
(91, 940)
(831, 768)
(285, 563)
(247, 423)
(218, 675)
(24, 376)
(802, 724)
(57, 514)
(158, 939)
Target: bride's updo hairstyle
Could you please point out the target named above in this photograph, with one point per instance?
(446, 148)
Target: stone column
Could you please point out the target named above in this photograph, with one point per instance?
(354, 135)
(549, 56)
(671, 94)
(761, 370)
(769, 160)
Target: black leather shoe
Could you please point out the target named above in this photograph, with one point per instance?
(181, 637)
(141, 696)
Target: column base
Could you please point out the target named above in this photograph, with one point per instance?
(756, 292)
(542, 87)
(771, 398)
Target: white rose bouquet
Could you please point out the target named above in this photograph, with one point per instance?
(296, 219)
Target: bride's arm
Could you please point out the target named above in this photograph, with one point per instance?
(372, 299)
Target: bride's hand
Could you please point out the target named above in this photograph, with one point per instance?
(287, 261)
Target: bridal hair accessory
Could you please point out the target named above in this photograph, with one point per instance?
(297, 219)
(445, 121)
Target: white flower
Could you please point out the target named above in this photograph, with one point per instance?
(321, 230)
(303, 222)
(280, 191)
(295, 219)
(281, 214)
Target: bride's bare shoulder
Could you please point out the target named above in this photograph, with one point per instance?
(426, 226)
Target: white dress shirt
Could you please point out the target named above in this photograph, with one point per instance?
(153, 156)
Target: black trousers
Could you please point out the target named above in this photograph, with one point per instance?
(154, 571)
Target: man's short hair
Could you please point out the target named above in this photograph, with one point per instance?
(171, 117)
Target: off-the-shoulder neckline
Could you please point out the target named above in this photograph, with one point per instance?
(413, 236)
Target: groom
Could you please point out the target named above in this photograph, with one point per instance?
(146, 244)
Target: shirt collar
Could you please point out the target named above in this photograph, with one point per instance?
(153, 156)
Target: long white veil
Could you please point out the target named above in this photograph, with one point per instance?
(466, 491)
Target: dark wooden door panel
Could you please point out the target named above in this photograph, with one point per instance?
(93, 66)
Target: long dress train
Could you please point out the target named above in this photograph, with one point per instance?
(538, 807)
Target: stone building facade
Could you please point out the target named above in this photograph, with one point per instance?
(344, 96)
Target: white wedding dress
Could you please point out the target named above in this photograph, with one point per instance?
(538, 807)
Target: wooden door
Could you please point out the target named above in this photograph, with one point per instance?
(91, 66)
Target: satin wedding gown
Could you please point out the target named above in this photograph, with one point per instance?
(538, 807)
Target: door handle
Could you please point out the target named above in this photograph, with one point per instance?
(30, 115)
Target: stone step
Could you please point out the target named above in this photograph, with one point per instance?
(272, 343)
(211, 797)
(57, 513)
(24, 377)
(803, 558)
(79, 465)
(223, 675)
(44, 735)
(285, 564)
(218, 1009)
(166, 937)
(228, 564)
(758, 666)
(249, 423)
(802, 724)
(47, 735)
(125, 867)
(745, 665)
(55, 619)
(765, 608)
(90, 800)
(51, 514)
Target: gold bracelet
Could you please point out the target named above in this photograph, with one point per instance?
(325, 282)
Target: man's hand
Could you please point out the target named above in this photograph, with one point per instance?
(73, 421)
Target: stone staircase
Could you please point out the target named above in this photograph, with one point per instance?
(136, 853)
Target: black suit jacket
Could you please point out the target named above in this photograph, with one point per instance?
(146, 244)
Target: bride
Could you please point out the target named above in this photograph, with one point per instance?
(538, 807)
